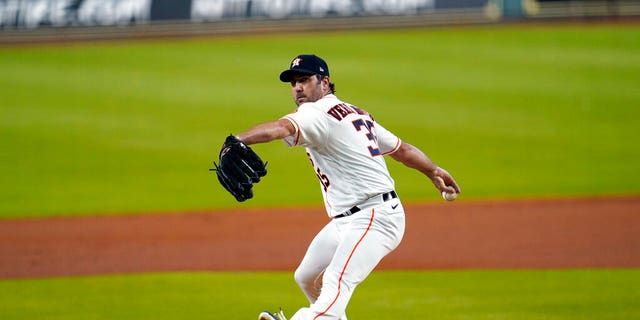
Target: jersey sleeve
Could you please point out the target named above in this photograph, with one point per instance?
(387, 141)
(311, 126)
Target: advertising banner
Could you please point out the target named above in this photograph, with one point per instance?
(18, 14)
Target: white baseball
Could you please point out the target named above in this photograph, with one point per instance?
(449, 196)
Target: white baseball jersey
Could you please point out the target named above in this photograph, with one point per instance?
(346, 148)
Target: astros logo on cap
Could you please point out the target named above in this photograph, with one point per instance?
(295, 62)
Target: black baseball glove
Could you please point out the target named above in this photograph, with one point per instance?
(239, 168)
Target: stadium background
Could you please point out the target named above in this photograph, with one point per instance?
(536, 99)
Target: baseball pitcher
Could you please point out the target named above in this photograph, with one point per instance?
(346, 148)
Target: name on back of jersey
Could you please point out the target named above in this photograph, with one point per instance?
(342, 110)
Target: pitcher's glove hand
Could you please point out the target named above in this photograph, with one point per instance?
(239, 168)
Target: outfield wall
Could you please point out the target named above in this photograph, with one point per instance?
(31, 14)
(72, 20)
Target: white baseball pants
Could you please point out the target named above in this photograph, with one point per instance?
(343, 254)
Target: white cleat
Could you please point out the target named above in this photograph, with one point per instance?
(281, 315)
(270, 316)
(267, 316)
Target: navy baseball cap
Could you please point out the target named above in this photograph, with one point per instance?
(305, 64)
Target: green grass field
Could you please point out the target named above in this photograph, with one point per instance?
(445, 295)
(126, 127)
(131, 127)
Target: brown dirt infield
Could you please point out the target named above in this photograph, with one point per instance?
(561, 233)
